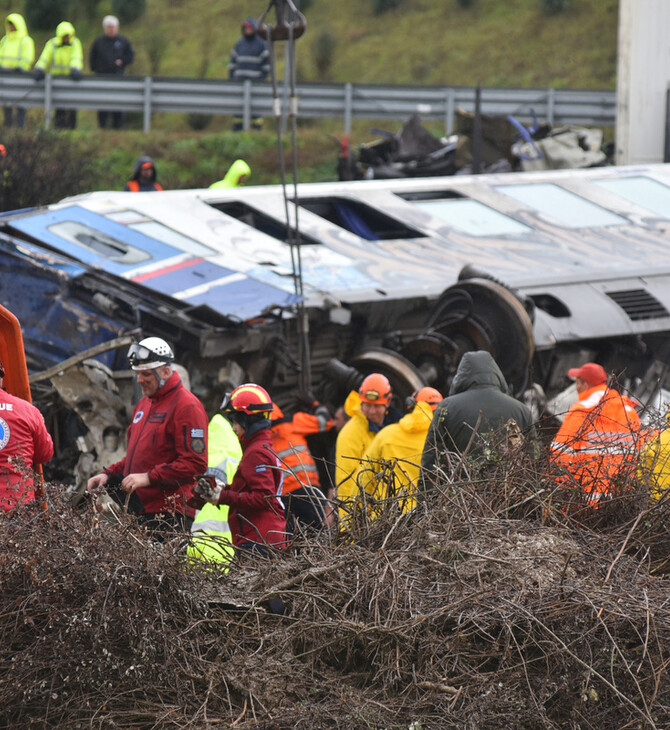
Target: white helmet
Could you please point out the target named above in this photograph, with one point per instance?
(150, 353)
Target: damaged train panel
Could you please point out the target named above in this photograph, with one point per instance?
(542, 269)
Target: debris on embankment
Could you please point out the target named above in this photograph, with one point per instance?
(490, 606)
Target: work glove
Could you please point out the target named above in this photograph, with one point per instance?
(38, 74)
(75, 74)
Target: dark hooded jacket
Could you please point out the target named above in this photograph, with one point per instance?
(134, 185)
(478, 405)
(250, 58)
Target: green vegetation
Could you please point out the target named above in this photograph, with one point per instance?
(509, 43)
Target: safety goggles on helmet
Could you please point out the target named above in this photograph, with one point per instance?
(142, 358)
(371, 395)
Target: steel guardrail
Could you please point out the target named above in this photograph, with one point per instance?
(152, 95)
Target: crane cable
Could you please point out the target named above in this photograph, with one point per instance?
(290, 32)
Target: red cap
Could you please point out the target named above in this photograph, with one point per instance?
(590, 373)
(145, 165)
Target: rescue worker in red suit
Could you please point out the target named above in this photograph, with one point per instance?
(24, 443)
(167, 444)
(256, 515)
(598, 441)
(301, 489)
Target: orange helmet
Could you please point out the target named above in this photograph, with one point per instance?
(429, 395)
(375, 389)
(249, 398)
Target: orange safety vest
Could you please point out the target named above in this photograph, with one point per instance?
(598, 442)
(290, 445)
(134, 186)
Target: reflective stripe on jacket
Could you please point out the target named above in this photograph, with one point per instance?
(598, 442)
(17, 48)
(211, 539)
(290, 445)
(58, 59)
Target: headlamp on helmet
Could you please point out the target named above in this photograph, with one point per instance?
(375, 389)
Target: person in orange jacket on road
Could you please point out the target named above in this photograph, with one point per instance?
(598, 441)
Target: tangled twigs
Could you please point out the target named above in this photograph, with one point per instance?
(500, 601)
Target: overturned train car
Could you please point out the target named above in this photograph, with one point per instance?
(545, 270)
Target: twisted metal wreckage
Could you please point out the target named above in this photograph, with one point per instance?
(545, 270)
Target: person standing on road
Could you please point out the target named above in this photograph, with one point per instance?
(24, 443)
(167, 444)
(249, 60)
(110, 53)
(62, 56)
(17, 53)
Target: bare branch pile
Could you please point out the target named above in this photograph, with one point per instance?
(496, 603)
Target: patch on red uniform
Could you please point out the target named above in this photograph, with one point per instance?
(198, 445)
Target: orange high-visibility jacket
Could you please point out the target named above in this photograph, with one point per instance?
(598, 440)
(290, 445)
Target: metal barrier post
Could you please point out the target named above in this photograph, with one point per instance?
(551, 98)
(246, 108)
(348, 104)
(449, 111)
(147, 103)
(48, 90)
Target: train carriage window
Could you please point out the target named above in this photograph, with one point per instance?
(260, 221)
(566, 208)
(360, 219)
(472, 217)
(642, 191)
(99, 243)
(159, 232)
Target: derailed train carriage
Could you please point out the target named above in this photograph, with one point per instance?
(544, 270)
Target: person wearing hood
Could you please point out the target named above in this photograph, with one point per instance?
(110, 53)
(143, 179)
(237, 175)
(62, 56)
(478, 406)
(249, 60)
(17, 53)
(398, 445)
(368, 409)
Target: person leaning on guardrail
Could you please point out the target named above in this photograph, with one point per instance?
(62, 56)
(249, 60)
(17, 53)
(110, 53)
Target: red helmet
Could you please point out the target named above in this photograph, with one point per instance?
(249, 398)
(429, 395)
(375, 389)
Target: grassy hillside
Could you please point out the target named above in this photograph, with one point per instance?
(494, 42)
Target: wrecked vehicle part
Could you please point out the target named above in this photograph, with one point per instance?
(570, 265)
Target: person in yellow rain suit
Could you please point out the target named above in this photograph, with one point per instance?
(211, 539)
(17, 54)
(237, 175)
(392, 462)
(357, 434)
